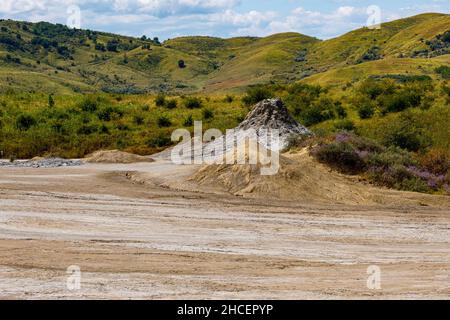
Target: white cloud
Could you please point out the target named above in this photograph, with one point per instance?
(168, 18)
(153, 7)
(345, 11)
(326, 25)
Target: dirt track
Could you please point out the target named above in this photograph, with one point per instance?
(145, 241)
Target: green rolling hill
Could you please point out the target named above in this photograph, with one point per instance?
(49, 58)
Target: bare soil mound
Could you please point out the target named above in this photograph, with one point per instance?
(301, 178)
(115, 156)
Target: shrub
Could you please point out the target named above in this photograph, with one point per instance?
(346, 125)
(171, 104)
(208, 114)
(390, 157)
(391, 167)
(89, 104)
(229, 99)
(104, 129)
(398, 177)
(121, 126)
(304, 102)
(444, 71)
(100, 47)
(25, 121)
(159, 141)
(406, 133)
(341, 113)
(340, 155)
(436, 161)
(402, 100)
(87, 129)
(138, 120)
(12, 59)
(63, 51)
(366, 111)
(181, 64)
(110, 113)
(320, 110)
(193, 103)
(257, 94)
(51, 101)
(160, 100)
(164, 121)
(371, 55)
(189, 121)
(372, 88)
(112, 45)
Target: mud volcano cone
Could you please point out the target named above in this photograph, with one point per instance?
(265, 117)
(269, 115)
(272, 114)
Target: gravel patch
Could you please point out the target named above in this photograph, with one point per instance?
(44, 163)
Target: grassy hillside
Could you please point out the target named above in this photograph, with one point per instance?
(400, 36)
(344, 76)
(270, 58)
(51, 58)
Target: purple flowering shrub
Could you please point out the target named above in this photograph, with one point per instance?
(391, 167)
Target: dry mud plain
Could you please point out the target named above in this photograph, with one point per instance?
(135, 233)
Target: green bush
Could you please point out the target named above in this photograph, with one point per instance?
(398, 177)
(402, 100)
(159, 141)
(229, 99)
(340, 155)
(193, 102)
(208, 114)
(406, 133)
(344, 125)
(51, 101)
(366, 111)
(164, 122)
(371, 55)
(389, 178)
(89, 104)
(138, 120)
(444, 71)
(171, 104)
(112, 45)
(160, 100)
(391, 167)
(373, 88)
(87, 129)
(257, 94)
(390, 157)
(322, 109)
(25, 121)
(110, 113)
(387, 96)
(189, 121)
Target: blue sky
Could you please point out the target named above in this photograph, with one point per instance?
(223, 18)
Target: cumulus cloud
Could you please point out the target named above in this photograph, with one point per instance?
(170, 18)
(318, 23)
(159, 8)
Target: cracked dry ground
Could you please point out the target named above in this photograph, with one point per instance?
(143, 241)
